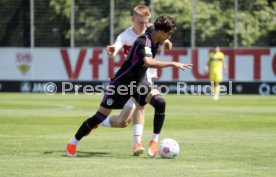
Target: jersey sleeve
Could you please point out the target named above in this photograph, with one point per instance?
(144, 48)
(222, 57)
(210, 57)
(119, 41)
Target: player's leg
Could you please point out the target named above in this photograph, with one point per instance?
(216, 91)
(121, 120)
(213, 77)
(159, 104)
(86, 128)
(217, 80)
(109, 102)
(137, 129)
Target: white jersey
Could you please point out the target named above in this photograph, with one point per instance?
(125, 40)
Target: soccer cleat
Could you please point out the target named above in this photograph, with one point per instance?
(138, 149)
(71, 150)
(216, 97)
(152, 149)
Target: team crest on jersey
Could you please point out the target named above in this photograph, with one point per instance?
(109, 101)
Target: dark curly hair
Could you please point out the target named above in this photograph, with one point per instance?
(165, 23)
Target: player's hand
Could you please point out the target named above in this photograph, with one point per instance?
(110, 50)
(167, 45)
(183, 66)
(206, 69)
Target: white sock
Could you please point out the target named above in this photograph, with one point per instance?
(155, 137)
(137, 131)
(106, 122)
(74, 141)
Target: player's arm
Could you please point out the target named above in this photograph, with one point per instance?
(144, 52)
(151, 63)
(224, 66)
(207, 67)
(113, 49)
(209, 59)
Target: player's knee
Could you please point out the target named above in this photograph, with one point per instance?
(159, 103)
(123, 124)
(130, 104)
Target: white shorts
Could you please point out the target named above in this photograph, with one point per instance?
(151, 73)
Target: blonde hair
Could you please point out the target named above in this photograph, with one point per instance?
(141, 10)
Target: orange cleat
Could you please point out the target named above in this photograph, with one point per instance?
(152, 149)
(71, 150)
(138, 149)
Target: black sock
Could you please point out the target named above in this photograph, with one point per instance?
(159, 105)
(87, 125)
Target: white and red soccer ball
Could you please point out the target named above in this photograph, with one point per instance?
(168, 148)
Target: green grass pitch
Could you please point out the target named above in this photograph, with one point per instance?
(235, 136)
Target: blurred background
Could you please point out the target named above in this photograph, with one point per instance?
(50, 23)
(68, 38)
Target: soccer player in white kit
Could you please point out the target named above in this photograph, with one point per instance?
(125, 40)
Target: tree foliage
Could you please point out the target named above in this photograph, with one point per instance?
(214, 21)
(257, 21)
(93, 19)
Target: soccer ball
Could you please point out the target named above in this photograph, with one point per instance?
(168, 148)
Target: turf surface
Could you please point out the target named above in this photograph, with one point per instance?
(235, 136)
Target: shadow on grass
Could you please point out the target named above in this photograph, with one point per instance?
(84, 154)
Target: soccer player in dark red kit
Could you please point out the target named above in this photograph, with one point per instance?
(132, 76)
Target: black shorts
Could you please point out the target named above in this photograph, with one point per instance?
(115, 98)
